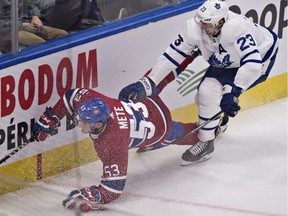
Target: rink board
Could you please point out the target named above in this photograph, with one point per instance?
(266, 92)
(71, 148)
(79, 153)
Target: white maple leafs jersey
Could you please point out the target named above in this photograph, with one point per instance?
(241, 44)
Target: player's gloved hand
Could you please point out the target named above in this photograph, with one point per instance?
(229, 102)
(45, 126)
(86, 199)
(142, 88)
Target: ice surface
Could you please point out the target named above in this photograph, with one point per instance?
(247, 175)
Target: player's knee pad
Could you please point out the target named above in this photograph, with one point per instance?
(210, 92)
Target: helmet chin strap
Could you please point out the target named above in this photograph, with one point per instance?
(98, 131)
(219, 27)
(95, 133)
(217, 32)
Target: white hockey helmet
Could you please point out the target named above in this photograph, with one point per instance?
(212, 11)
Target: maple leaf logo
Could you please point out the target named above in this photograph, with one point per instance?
(214, 61)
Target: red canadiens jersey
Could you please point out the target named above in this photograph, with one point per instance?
(134, 124)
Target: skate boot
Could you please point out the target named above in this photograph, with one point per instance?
(197, 153)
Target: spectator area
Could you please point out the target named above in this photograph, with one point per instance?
(108, 28)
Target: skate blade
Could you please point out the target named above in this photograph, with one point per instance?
(205, 158)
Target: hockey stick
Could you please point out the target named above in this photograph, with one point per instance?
(147, 149)
(15, 151)
(198, 128)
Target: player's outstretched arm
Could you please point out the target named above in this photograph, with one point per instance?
(145, 87)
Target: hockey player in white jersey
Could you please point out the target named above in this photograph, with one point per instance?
(241, 55)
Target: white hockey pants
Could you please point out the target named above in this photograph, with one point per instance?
(208, 100)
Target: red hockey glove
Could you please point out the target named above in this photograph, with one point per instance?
(229, 101)
(86, 199)
(45, 126)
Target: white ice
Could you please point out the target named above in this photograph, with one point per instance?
(247, 175)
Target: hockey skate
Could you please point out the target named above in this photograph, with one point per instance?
(201, 151)
(197, 153)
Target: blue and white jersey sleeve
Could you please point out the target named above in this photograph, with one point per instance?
(255, 46)
(174, 60)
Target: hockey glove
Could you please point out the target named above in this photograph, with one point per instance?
(45, 126)
(138, 90)
(86, 199)
(229, 101)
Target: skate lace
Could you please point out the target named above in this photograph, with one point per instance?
(199, 148)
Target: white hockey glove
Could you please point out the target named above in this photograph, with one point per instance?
(86, 199)
(229, 102)
(138, 90)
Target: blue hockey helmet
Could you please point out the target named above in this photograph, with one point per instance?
(92, 111)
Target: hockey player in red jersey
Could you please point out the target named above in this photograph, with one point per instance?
(115, 127)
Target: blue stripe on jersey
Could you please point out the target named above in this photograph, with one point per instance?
(117, 185)
(68, 95)
(171, 59)
(138, 118)
(178, 51)
(244, 61)
(135, 142)
(175, 132)
(270, 51)
(164, 118)
(178, 70)
(252, 60)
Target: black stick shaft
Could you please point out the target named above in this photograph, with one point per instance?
(199, 127)
(14, 151)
